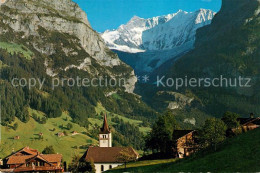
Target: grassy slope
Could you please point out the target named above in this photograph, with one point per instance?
(99, 120)
(239, 154)
(15, 48)
(28, 133)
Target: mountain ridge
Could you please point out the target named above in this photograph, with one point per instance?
(140, 34)
(146, 44)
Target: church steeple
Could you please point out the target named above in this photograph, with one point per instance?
(105, 136)
(105, 128)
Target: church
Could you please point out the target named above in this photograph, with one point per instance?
(105, 156)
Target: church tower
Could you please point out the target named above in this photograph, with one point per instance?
(105, 136)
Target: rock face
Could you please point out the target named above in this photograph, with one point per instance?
(176, 100)
(32, 17)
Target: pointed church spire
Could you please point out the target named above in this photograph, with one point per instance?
(105, 128)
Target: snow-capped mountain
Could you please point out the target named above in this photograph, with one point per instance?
(158, 33)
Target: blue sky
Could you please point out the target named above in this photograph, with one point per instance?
(109, 14)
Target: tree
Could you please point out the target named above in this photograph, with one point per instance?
(15, 126)
(212, 133)
(125, 156)
(160, 138)
(48, 150)
(43, 120)
(230, 119)
(69, 126)
(81, 165)
(65, 133)
(93, 169)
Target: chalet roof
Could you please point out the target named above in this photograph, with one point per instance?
(107, 154)
(30, 150)
(49, 158)
(105, 128)
(52, 158)
(177, 134)
(27, 150)
(20, 158)
(244, 121)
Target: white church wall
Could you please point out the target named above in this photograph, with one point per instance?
(106, 166)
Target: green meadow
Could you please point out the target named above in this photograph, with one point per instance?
(29, 136)
(238, 154)
(15, 48)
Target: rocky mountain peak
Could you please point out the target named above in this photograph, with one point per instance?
(63, 16)
(158, 33)
(44, 24)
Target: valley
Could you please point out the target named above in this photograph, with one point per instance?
(50, 55)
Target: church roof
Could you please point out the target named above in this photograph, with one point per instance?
(107, 154)
(105, 128)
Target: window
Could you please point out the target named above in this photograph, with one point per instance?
(102, 168)
(110, 166)
(41, 163)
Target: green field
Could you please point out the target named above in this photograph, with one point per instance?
(15, 48)
(145, 163)
(239, 154)
(99, 120)
(28, 133)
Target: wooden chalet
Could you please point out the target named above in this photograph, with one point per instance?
(41, 134)
(60, 134)
(246, 124)
(16, 137)
(184, 143)
(30, 160)
(249, 123)
(74, 133)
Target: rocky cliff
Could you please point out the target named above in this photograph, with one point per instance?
(228, 47)
(31, 17)
(47, 40)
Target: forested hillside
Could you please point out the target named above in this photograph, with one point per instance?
(43, 41)
(228, 47)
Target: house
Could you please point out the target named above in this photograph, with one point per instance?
(60, 134)
(246, 124)
(30, 160)
(16, 137)
(249, 123)
(40, 134)
(105, 156)
(74, 133)
(184, 143)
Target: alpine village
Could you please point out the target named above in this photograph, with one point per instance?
(105, 157)
(60, 112)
